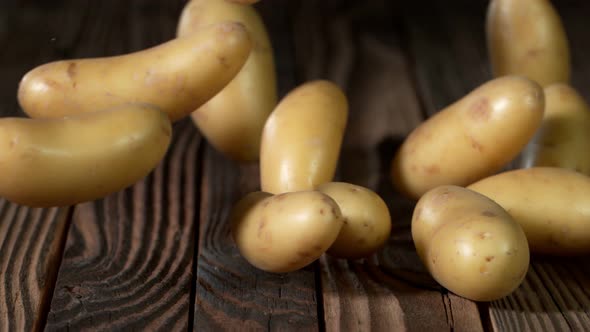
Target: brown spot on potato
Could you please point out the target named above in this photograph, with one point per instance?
(475, 144)
(353, 190)
(480, 110)
(484, 269)
(432, 169)
(280, 197)
(317, 247)
(223, 61)
(261, 225)
(484, 235)
(490, 258)
(345, 221)
(53, 84)
(72, 71)
(534, 52)
(442, 198)
(334, 211)
(365, 224)
(488, 214)
(417, 213)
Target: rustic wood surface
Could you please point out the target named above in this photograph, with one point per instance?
(159, 256)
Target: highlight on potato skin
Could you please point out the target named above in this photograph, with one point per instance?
(177, 76)
(469, 244)
(527, 37)
(64, 161)
(470, 139)
(233, 119)
(285, 232)
(551, 204)
(302, 137)
(564, 137)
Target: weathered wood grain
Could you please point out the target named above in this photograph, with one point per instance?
(360, 46)
(128, 259)
(450, 60)
(31, 240)
(230, 293)
(31, 243)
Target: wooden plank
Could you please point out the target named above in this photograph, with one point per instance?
(230, 293)
(31, 240)
(451, 60)
(360, 47)
(129, 257)
(31, 244)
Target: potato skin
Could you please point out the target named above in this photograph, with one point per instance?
(60, 162)
(177, 76)
(302, 137)
(286, 232)
(564, 136)
(367, 222)
(470, 139)
(551, 204)
(526, 37)
(232, 121)
(469, 244)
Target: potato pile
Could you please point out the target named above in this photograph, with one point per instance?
(472, 227)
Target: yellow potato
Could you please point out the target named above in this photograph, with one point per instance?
(526, 37)
(564, 137)
(551, 204)
(286, 232)
(470, 139)
(469, 243)
(177, 76)
(63, 161)
(302, 137)
(367, 223)
(232, 121)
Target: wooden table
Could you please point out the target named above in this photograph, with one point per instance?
(158, 256)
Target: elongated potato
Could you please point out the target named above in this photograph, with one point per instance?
(177, 76)
(302, 137)
(526, 37)
(564, 137)
(232, 121)
(469, 243)
(367, 223)
(59, 162)
(551, 204)
(470, 139)
(286, 232)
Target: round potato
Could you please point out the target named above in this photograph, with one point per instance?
(286, 232)
(469, 244)
(367, 223)
(302, 137)
(232, 121)
(564, 137)
(59, 162)
(526, 37)
(551, 204)
(472, 138)
(177, 76)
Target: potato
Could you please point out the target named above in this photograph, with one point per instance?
(367, 223)
(469, 244)
(470, 139)
(526, 37)
(64, 161)
(551, 204)
(302, 137)
(249, 2)
(564, 137)
(232, 121)
(285, 232)
(177, 76)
